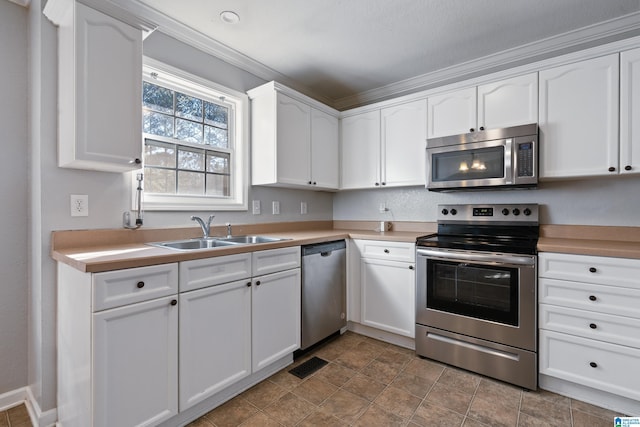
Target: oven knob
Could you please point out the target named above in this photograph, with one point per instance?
(526, 211)
(445, 212)
(453, 211)
(505, 211)
(516, 211)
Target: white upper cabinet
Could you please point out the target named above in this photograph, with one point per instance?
(404, 139)
(629, 111)
(509, 102)
(99, 89)
(294, 140)
(385, 148)
(579, 119)
(360, 150)
(452, 113)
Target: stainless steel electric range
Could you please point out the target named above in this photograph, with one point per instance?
(476, 291)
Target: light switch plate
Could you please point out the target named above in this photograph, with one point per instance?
(276, 207)
(303, 208)
(255, 207)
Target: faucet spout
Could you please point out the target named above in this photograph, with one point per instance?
(206, 227)
(228, 229)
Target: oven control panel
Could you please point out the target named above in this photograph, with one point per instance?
(513, 213)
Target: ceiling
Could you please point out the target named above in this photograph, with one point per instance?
(351, 52)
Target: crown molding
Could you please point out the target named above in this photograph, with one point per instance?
(564, 43)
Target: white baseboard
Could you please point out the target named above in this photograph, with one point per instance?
(24, 395)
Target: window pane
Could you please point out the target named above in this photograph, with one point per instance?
(159, 181)
(159, 154)
(157, 98)
(157, 124)
(216, 137)
(191, 159)
(189, 131)
(190, 182)
(218, 185)
(188, 107)
(218, 162)
(216, 115)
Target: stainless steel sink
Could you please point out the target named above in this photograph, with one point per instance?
(192, 244)
(214, 242)
(251, 239)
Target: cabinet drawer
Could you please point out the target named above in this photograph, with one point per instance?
(587, 296)
(274, 260)
(121, 287)
(590, 269)
(603, 366)
(392, 251)
(604, 327)
(200, 273)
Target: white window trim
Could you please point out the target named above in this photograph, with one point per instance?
(238, 200)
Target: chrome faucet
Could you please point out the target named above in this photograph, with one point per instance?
(205, 227)
(228, 229)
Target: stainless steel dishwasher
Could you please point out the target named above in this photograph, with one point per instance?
(323, 291)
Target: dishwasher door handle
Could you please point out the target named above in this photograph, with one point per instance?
(326, 253)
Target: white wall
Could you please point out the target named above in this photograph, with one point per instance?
(604, 201)
(13, 193)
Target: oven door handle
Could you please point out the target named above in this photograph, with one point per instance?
(478, 257)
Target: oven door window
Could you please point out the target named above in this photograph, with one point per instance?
(474, 290)
(471, 164)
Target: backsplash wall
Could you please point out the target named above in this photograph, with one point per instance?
(605, 201)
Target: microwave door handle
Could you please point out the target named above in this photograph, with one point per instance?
(508, 160)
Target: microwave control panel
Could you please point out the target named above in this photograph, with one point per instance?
(526, 159)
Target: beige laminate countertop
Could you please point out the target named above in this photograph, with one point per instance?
(105, 250)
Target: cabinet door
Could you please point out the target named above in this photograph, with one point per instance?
(275, 317)
(452, 113)
(325, 162)
(215, 340)
(100, 69)
(579, 119)
(629, 111)
(388, 296)
(294, 140)
(135, 364)
(404, 139)
(509, 102)
(360, 151)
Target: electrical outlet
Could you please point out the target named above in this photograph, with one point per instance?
(303, 208)
(256, 207)
(79, 205)
(276, 207)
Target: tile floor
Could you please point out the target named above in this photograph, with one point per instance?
(15, 417)
(371, 383)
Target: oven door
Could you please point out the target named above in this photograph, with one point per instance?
(479, 294)
(477, 164)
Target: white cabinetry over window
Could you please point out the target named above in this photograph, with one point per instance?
(629, 112)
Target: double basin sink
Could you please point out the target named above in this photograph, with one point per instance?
(214, 242)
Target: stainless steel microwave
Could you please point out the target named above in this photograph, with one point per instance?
(494, 158)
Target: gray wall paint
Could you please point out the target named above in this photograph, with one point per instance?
(605, 201)
(13, 193)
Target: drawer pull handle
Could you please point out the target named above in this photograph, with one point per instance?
(386, 251)
(140, 285)
(174, 302)
(248, 284)
(592, 297)
(411, 267)
(593, 325)
(593, 364)
(592, 269)
(258, 283)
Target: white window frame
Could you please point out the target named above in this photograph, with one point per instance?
(180, 80)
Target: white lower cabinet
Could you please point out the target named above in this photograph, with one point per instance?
(381, 292)
(589, 321)
(215, 339)
(137, 347)
(275, 308)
